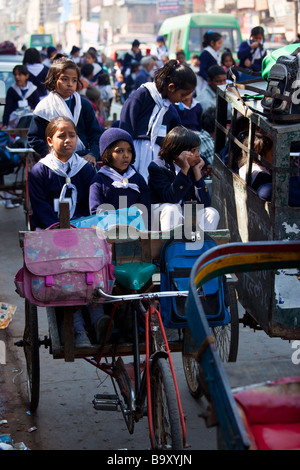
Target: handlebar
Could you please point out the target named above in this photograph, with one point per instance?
(143, 296)
(20, 150)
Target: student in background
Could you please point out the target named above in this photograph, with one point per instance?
(149, 113)
(212, 43)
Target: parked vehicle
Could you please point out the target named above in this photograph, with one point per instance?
(185, 32)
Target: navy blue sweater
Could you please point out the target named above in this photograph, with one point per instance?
(206, 61)
(136, 112)
(191, 117)
(102, 192)
(45, 186)
(166, 186)
(88, 131)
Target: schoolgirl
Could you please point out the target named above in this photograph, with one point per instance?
(37, 70)
(211, 44)
(176, 177)
(64, 100)
(23, 94)
(117, 178)
(252, 52)
(63, 176)
(149, 112)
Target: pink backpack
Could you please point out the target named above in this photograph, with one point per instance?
(64, 267)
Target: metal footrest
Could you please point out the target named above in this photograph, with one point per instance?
(106, 402)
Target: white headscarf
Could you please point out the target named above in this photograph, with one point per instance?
(161, 107)
(53, 105)
(60, 169)
(120, 181)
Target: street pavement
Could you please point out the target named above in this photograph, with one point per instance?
(66, 419)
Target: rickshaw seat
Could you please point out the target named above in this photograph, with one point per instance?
(134, 276)
(271, 414)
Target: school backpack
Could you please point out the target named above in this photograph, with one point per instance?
(8, 160)
(65, 267)
(282, 98)
(176, 261)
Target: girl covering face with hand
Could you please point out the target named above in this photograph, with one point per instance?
(177, 176)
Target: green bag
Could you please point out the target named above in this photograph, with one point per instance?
(271, 59)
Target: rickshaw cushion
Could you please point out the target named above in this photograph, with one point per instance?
(64, 267)
(177, 258)
(134, 275)
(271, 413)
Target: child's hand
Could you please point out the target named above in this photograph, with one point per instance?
(182, 161)
(197, 167)
(91, 159)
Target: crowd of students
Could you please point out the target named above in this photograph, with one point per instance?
(157, 155)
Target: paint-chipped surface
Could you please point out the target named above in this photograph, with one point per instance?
(287, 288)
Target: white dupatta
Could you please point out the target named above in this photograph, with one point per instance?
(120, 181)
(53, 105)
(161, 107)
(59, 168)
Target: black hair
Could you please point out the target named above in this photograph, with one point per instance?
(214, 71)
(31, 56)
(21, 69)
(87, 70)
(176, 141)
(208, 120)
(106, 157)
(103, 79)
(181, 75)
(209, 37)
(57, 68)
(227, 53)
(257, 30)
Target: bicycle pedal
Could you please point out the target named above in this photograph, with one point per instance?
(106, 402)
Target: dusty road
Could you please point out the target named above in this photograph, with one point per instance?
(66, 419)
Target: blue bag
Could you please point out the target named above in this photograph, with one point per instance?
(7, 141)
(176, 262)
(127, 216)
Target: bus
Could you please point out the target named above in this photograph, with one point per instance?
(185, 32)
(38, 41)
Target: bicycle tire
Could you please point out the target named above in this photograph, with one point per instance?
(165, 412)
(191, 366)
(31, 351)
(227, 336)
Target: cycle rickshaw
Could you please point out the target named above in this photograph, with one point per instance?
(139, 362)
(261, 411)
(269, 300)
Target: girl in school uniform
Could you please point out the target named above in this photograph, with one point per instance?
(149, 112)
(22, 94)
(117, 178)
(175, 177)
(63, 175)
(64, 100)
(211, 55)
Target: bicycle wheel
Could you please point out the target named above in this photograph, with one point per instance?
(227, 336)
(165, 412)
(191, 366)
(31, 350)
